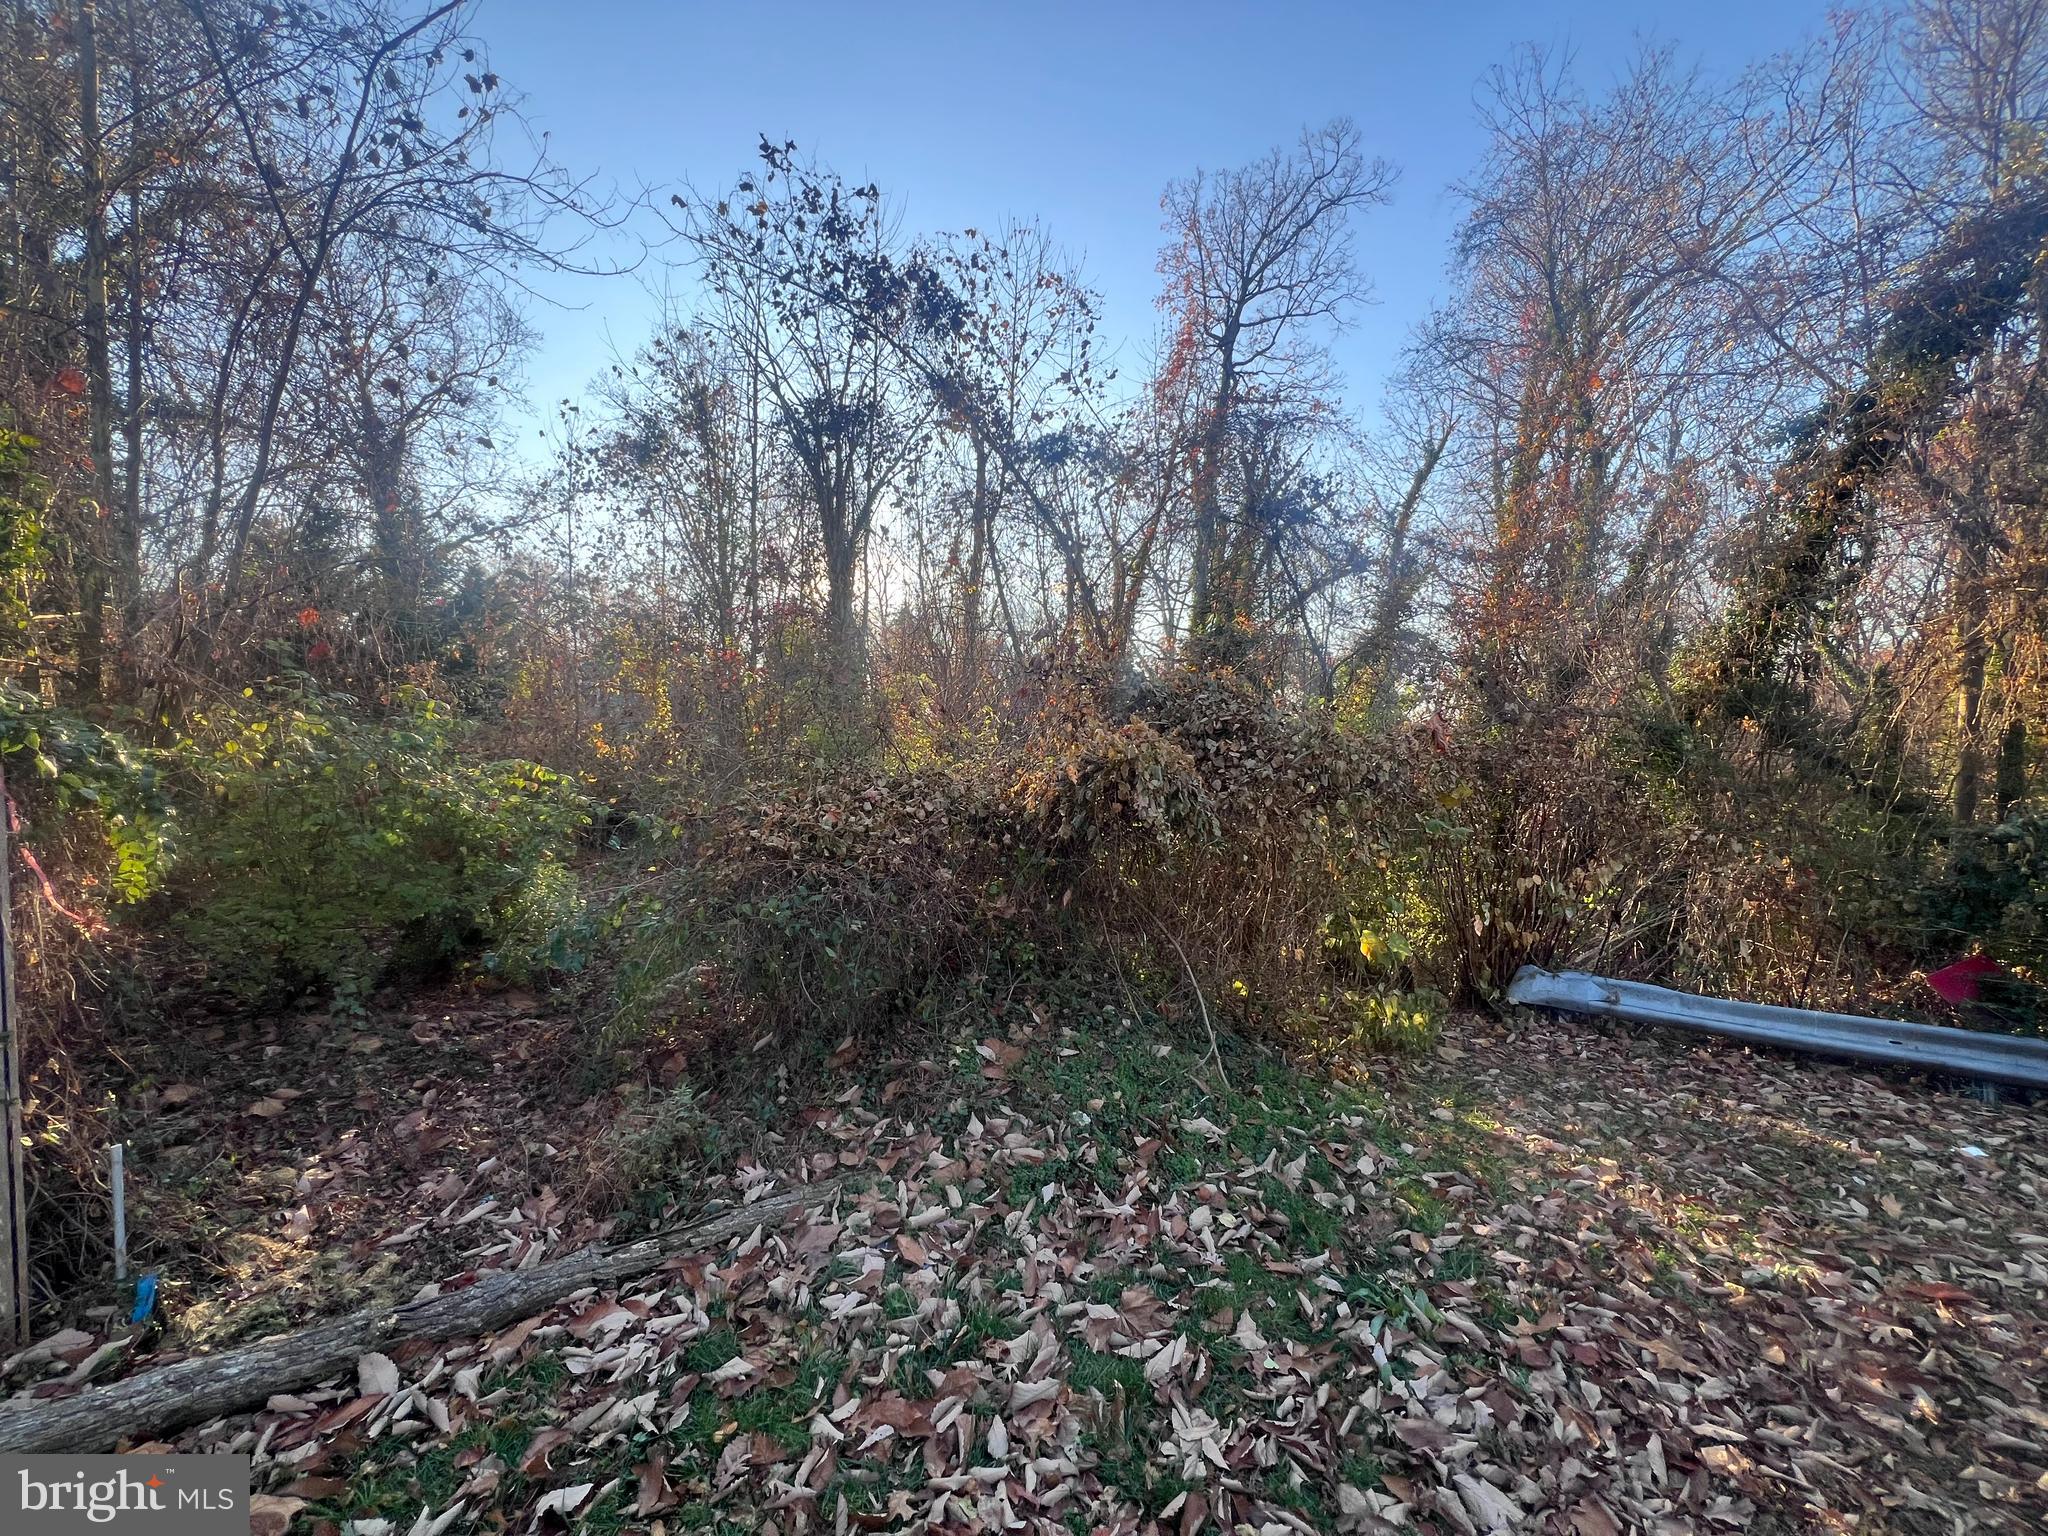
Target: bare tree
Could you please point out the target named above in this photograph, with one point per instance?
(799, 269)
(1260, 266)
(1600, 353)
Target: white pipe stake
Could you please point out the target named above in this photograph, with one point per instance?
(120, 1212)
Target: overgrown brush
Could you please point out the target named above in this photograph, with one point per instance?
(1221, 820)
(1528, 850)
(659, 1134)
(1645, 846)
(295, 845)
(1205, 838)
(811, 915)
(1278, 870)
(1779, 888)
(87, 836)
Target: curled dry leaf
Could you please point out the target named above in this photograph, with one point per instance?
(655, 1495)
(533, 1461)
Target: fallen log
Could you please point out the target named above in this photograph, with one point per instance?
(204, 1387)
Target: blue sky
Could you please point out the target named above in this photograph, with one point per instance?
(1077, 114)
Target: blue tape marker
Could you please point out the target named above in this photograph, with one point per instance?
(145, 1299)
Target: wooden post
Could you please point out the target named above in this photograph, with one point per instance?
(13, 1181)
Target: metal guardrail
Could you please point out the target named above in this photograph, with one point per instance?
(2011, 1059)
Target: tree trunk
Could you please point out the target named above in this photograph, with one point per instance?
(2012, 766)
(92, 577)
(128, 526)
(982, 515)
(1972, 651)
(1204, 609)
(842, 631)
(128, 545)
(1380, 653)
(30, 291)
(397, 535)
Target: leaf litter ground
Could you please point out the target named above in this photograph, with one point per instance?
(1558, 1278)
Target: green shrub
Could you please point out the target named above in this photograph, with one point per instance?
(547, 927)
(94, 781)
(24, 502)
(1385, 1019)
(326, 851)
